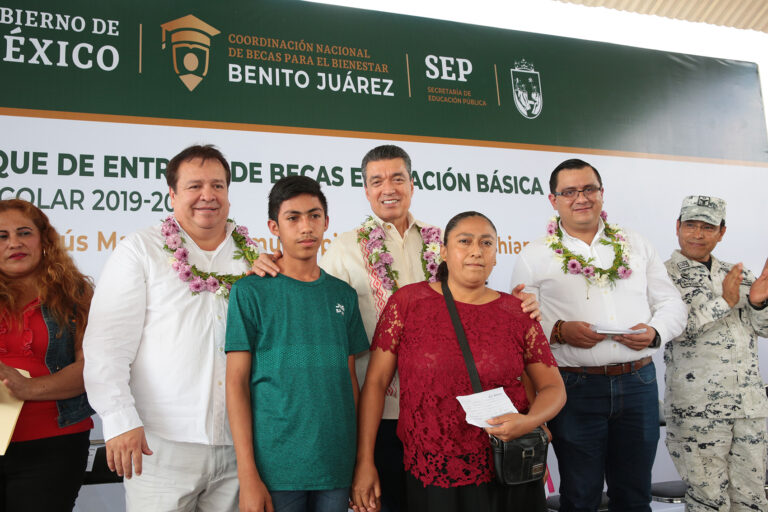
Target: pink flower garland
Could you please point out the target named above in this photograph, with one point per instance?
(430, 258)
(381, 259)
(199, 281)
(575, 264)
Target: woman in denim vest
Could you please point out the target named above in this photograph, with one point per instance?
(44, 303)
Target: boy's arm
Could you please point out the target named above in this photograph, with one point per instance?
(254, 496)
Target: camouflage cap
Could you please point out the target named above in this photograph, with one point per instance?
(704, 208)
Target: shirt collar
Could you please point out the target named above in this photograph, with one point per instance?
(230, 227)
(600, 232)
(411, 221)
(678, 256)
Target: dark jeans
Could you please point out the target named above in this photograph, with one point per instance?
(608, 429)
(43, 475)
(333, 500)
(388, 457)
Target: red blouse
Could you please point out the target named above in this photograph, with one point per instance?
(24, 346)
(441, 448)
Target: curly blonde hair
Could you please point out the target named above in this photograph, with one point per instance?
(61, 287)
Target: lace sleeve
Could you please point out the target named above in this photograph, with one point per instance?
(389, 329)
(536, 347)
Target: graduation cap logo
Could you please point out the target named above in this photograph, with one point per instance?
(190, 44)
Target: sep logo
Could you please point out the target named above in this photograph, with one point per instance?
(526, 88)
(190, 48)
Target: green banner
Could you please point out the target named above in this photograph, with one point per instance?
(294, 65)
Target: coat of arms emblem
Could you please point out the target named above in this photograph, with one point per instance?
(526, 88)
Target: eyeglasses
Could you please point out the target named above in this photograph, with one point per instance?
(590, 191)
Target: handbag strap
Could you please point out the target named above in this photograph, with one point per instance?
(474, 377)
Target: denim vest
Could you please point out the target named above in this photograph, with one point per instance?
(61, 353)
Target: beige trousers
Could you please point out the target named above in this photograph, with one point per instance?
(184, 477)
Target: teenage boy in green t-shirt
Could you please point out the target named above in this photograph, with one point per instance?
(291, 383)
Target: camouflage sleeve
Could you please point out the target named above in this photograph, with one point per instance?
(758, 318)
(703, 311)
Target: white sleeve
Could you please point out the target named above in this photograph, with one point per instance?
(523, 274)
(668, 311)
(112, 338)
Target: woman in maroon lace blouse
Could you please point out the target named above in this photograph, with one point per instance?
(448, 460)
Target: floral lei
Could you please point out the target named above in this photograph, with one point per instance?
(381, 260)
(200, 281)
(575, 264)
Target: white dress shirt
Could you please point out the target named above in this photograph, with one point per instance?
(647, 296)
(154, 353)
(344, 260)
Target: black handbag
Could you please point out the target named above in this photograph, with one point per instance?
(517, 461)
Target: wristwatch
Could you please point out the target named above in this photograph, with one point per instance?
(760, 306)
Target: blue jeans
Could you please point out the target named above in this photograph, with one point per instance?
(608, 429)
(333, 500)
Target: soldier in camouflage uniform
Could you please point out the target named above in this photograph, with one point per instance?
(715, 403)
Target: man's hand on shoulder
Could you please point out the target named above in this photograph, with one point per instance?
(637, 341)
(758, 292)
(530, 304)
(266, 264)
(579, 334)
(124, 452)
(731, 284)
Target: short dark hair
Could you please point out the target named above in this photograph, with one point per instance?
(385, 152)
(190, 153)
(573, 163)
(442, 269)
(289, 187)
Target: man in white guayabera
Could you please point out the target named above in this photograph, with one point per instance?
(154, 346)
(607, 304)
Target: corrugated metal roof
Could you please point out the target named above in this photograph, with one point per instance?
(744, 14)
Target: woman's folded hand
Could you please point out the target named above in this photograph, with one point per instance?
(510, 426)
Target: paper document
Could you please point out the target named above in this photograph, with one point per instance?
(486, 405)
(601, 329)
(10, 408)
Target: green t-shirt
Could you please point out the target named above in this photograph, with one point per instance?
(300, 335)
